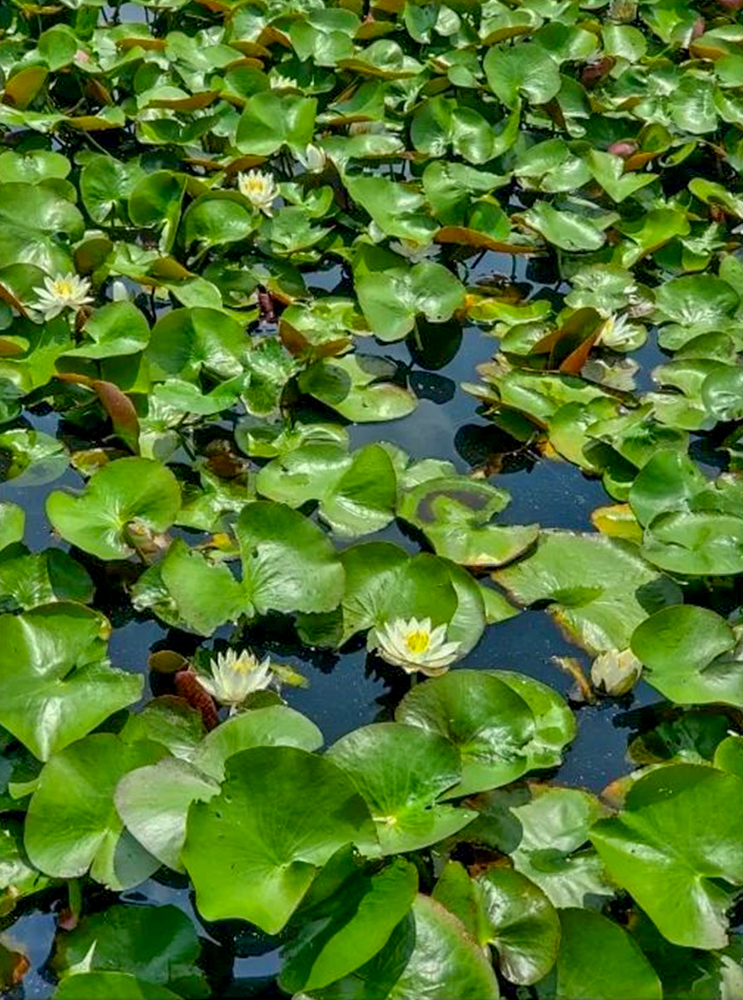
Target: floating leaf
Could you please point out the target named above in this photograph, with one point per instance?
(401, 771)
(346, 918)
(663, 849)
(137, 491)
(690, 656)
(258, 865)
(158, 943)
(392, 299)
(490, 723)
(72, 825)
(621, 971)
(57, 684)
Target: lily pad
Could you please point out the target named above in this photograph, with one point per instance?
(346, 918)
(392, 299)
(599, 588)
(257, 865)
(401, 771)
(622, 970)
(57, 682)
(274, 725)
(663, 849)
(288, 564)
(158, 943)
(545, 831)
(72, 825)
(153, 802)
(356, 493)
(129, 491)
(455, 514)
(503, 908)
(111, 986)
(690, 656)
(484, 717)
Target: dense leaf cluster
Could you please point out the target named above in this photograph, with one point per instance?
(215, 216)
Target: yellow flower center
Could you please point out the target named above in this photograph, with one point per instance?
(242, 665)
(418, 642)
(63, 287)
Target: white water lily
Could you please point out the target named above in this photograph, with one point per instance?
(280, 82)
(413, 251)
(66, 291)
(616, 671)
(313, 159)
(415, 646)
(235, 676)
(259, 188)
(618, 332)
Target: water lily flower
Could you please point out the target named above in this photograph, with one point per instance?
(66, 291)
(415, 252)
(235, 676)
(616, 671)
(618, 332)
(260, 188)
(280, 82)
(313, 159)
(415, 646)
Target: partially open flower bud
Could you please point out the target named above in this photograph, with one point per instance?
(616, 671)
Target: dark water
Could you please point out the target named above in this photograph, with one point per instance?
(345, 692)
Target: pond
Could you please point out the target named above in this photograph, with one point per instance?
(371, 506)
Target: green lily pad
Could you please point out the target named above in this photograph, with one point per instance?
(401, 771)
(523, 70)
(158, 943)
(137, 491)
(185, 341)
(153, 802)
(57, 683)
(288, 564)
(28, 581)
(695, 543)
(115, 329)
(454, 513)
(359, 388)
(398, 209)
(384, 583)
(270, 120)
(484, 717)
(622, 970)
(257, 865)
(565, 229)
(12, 524)
(72, 825)
(274, 725)
(392, 299)
(545, 832)
(357, 493)
(503, 908)
(665, 851)
(347, 917)
(690, 656)
(111, 986)
(36, 458)
(599, 588)
(699, 302)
